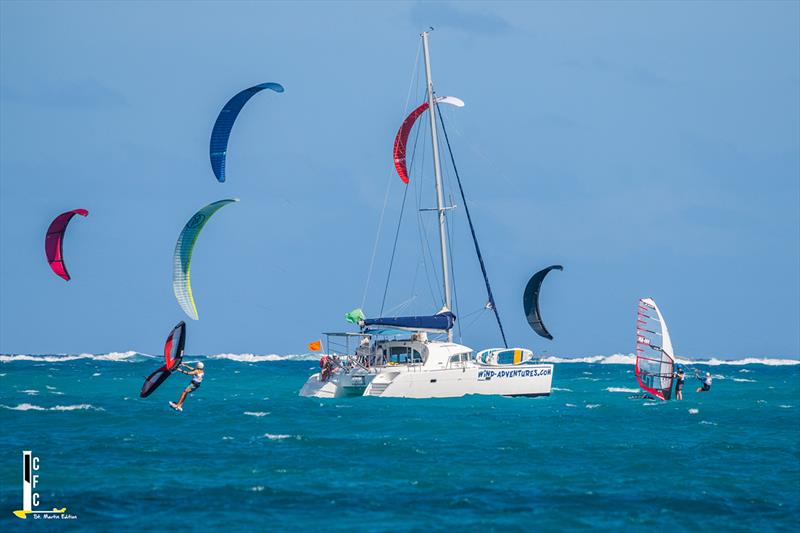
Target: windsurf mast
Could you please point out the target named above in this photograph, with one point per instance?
(440, 208)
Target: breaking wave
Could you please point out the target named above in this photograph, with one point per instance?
(31, 407)
(127, 357)
(272, 436)
(630, 359)
(253, 358)
(621, 389)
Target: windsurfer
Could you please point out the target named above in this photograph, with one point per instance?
(680, 377)
(197, 374)
(705, 382)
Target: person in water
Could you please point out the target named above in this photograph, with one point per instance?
(705, 382)
(197, 379)
(680, 377)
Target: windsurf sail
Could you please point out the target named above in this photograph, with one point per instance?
(401, 139)
(182, 257)
(173, 355)
(655, 359)
(54, 242)
(530, 301)
(218, 147)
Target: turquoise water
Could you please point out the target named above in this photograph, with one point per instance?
(247, 452)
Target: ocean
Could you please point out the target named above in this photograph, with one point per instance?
(248, 453)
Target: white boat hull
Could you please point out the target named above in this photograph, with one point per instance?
(341, 384)
(505, 380)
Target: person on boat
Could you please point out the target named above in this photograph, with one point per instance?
(197, 374)
(680, 377)
(705, 382)
(326, 367)
(323, 365)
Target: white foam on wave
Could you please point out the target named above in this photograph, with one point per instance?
(621, 389)
(256, 413)
(30, 392)
(750, 361)
(630, 359)
(254, 358)
(31, 407)
(744, 380)
(592, 405)
(63, 358)
(279, 436)
(560, 389)
(693, 411)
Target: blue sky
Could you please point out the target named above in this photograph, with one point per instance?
(650, 148)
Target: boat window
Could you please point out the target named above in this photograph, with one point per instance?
(455, 358)
(403, 354)
(399, 355)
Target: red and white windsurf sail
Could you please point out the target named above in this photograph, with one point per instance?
(401, 139)
(655, 358)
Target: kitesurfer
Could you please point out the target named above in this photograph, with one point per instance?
(197, 374)
(680, 377)
(705, 382)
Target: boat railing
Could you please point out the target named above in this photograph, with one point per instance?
(343, 343)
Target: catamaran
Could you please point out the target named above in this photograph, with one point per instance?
(415, 356)
(655, 360)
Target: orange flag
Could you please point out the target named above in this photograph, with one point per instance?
(315, 346)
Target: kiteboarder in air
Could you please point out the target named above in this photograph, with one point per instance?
(704, 381)
(197, 378)
(680, 377)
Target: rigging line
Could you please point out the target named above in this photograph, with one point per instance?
(474, 320)
(377, 240)
(421, 232)
(397, 230)
(472, 230)
(450, 223)
(401, 305)
(423, 239)
(394, 249)
(414, 75)
(475, 149)
(414, 282)
(425, 246)
(480, 310)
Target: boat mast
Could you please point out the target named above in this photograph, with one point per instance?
(440, 208)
